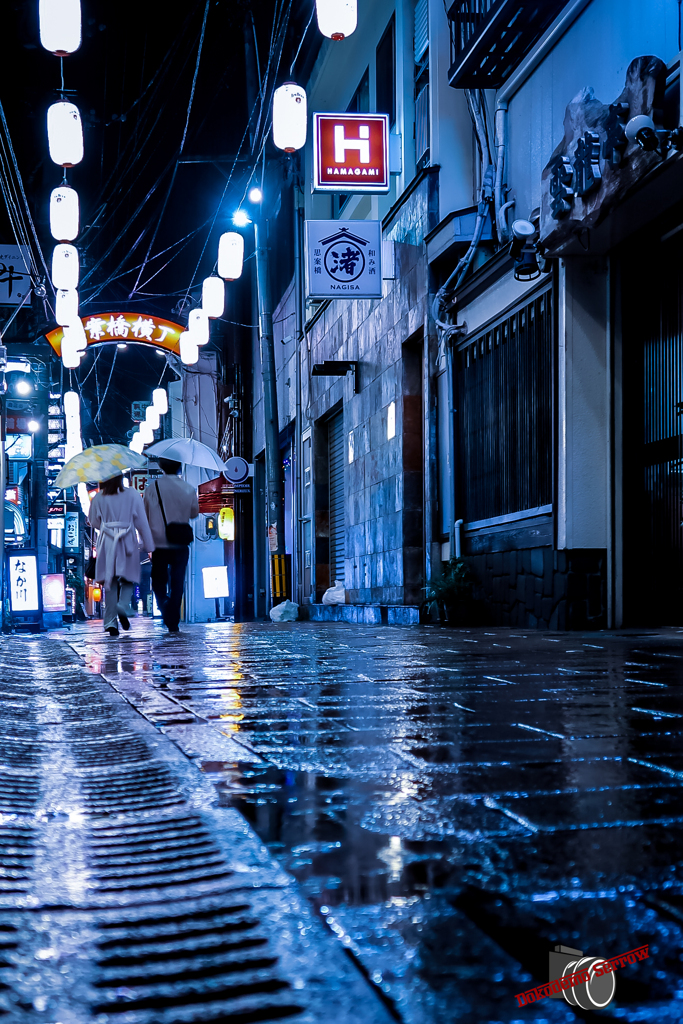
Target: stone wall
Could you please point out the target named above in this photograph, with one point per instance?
(542, 588)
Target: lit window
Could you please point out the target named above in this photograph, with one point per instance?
(350, 447)
(391, 420)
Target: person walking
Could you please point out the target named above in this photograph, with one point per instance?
(117, 512)
(170, 503)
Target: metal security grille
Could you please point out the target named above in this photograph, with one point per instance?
(335, 448)
(653, 436)
(504, 414)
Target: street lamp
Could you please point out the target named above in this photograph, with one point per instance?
(255, 194)
(23, 386)
(240, 219)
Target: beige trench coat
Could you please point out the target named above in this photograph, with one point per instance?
(118, 517)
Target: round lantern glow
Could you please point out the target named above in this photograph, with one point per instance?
(152, 417)
(71, 357)
(198, 326)
(189, 350)
(226, 524)
(289, 117)
(66, 306)
(336, 18)
(60, 25)
(65, 134)
(146, 432)
(213, 296)
(136, 443)
(230, 255)
(65, 266)
(160, 401)
(64, 213)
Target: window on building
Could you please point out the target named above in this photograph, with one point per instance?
(503, 398)
(421, 78)
(385, 78)
(360, 104)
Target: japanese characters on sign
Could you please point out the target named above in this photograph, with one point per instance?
(72, 533)
(126, 328)
(15, 280)
(23, 583)
(343, 259)
(351, 153)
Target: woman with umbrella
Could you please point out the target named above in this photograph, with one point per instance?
(117, 512)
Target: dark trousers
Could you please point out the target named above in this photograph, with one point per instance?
(169, 562)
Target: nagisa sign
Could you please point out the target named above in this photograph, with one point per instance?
(125, 328)
(351, 153)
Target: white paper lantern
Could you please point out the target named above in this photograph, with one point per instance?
(74, 336)
(230, 255)
(71, 355)
(160, 401)
(65, 134)
(65, 266)
(72, 416)
(64, 215)
(198, 326)
(136, 444)
(66, 306)
(152, 417)
(289, 117)
(213, 296)
(189, 350)
(337, 19)
(60, 25)
(146, 432)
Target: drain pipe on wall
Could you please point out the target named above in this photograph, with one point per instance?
(514, 84)
(457, 525)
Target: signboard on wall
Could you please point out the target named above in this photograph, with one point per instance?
(351, 153)
(125, 329)
(23, 583)
(15, 280)
(343, 259)
(72, 533)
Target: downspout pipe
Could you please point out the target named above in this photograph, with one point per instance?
(559, 27)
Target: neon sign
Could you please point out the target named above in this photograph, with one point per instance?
(125, 328)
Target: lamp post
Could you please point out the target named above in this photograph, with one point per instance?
(275, 515)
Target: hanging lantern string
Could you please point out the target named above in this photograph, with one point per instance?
(61, 70)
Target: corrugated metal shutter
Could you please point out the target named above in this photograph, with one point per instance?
(335, 442)
(421, 38)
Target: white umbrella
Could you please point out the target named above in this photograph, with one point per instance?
(188, 451)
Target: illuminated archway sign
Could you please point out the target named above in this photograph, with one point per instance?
(125, 328)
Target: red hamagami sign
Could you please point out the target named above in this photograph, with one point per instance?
(351, 153)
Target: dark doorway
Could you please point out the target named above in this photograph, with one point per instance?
(652, 340)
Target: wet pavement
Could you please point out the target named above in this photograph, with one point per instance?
(452, 803)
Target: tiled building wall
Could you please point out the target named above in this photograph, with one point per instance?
(382, 555)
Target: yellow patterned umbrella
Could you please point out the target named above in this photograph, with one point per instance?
(98, 463)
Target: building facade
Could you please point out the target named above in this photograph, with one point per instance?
(518, 409)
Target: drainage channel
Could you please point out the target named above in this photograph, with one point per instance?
(126, 894)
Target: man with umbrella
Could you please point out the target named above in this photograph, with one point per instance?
(170, 503)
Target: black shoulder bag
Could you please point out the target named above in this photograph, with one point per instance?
(176, 533)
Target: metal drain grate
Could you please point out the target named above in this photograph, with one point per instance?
(196, 964)
(129, 790)
(19, 793)
(150, 855)
(17, 851)
(125, 748)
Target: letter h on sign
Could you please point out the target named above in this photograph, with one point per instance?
(362, 144)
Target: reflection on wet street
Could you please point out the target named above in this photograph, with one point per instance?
(453, 803)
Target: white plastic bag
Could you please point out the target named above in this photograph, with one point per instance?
(335, 594)
(288, 611)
